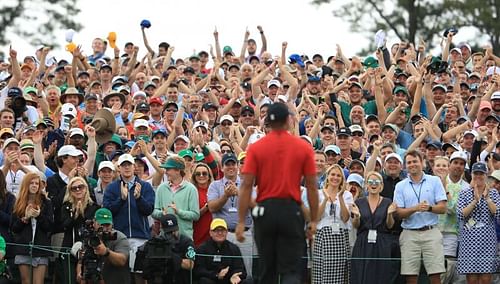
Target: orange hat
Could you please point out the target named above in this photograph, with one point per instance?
(112, 39)
(26, 66)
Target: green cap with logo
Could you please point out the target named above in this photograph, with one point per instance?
(103, 216)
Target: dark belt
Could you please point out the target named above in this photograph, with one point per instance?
(233, 230)
(424, 228)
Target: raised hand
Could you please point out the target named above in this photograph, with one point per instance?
(391, 209)
(355, 210)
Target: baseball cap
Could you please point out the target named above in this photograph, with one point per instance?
(141, 122)
(76, 131)
(400, 88)
(333, 148)
(209, 105)
(344, 131)
(159, 131)
(457, 50)
(227, 117)
(439, 86)
(229, 157)
(90, 96)
(139, 94)
(169, 223)
(149, 84)
(485, 105)
(371, 117)
(356, 128)
(125, 158)
(472, 132)
(479, 167)
(436, 144)
(453, 145)
(10, 141)
(183, 138)
(459, 155)
(247, 108)
(200, 123)
(142, 107)
(68, 150)
(106, 164)
(68, 109)
(495, 95)
(218, 222)
(356, 178)
(186, 153)
(277, 112)
(357, 161)
(103, 216)
(394, 156)
(492, 70)
(393, 127)
(495, 174)
(155, 101)
(6, 130)
(14, 91)
(273, 82)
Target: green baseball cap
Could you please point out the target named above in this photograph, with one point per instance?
(227, 49)
(199, 157)
(186, 153)
(173, 164)
(103, 216)
(400, 89)
(370, 62)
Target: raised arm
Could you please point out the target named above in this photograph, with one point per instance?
(145, 39)
(244, 46)
(217, 45)
(264, 40)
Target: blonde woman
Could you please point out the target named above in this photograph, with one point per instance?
(32, 211)
(441, 168)
(331, 250)
(77, 208)
(373, 218)
(202, 178)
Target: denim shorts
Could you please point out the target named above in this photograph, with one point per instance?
(33, 261)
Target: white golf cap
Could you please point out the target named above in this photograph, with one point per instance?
(141, 122)
(69, 150)
(106, 164)
(125, 158)
(139, 94)
(227, 117)
(394, 155)
(459, 155)
(68, 109)
(10, 141)
(183, 138)
(76, 131)
(273, 82)
(200, 123)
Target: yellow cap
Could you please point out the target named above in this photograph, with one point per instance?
(242, 155)
(218, 222)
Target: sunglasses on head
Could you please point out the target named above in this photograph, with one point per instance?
(76, 188)
(374, 182)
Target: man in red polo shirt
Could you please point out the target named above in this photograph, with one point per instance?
(275, 165)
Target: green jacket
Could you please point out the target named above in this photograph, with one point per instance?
(186, 201)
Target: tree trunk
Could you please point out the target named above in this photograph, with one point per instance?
(412, 23)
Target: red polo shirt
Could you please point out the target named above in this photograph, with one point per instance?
(279, 161)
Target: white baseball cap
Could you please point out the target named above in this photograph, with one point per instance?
(492, 70)
(274, 82)
(69, 150)
(141, 122)
(106, 164)
(394, 155)
(200, 123)
(10, 141)
(183, 138)
(459, 155)
(76, 131)
(139, 94)
(125, 158)
(227, 117)
(68, 109)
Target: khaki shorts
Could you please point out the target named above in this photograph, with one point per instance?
(418, 245)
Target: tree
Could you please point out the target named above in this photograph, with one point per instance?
(407, 19)
(36, 20)
(483, 15)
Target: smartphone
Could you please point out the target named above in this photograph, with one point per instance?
(321, 100)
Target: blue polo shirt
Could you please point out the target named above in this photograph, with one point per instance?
(408, 194)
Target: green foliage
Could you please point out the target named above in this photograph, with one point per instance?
(410, 20)
(37, 20)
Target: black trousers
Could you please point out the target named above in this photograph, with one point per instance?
(279, 235)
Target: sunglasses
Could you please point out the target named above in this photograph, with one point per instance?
(374, 182)
(226, 151)
(226, 123)
(201, 174)
(77, 188)
(359, 134)
(171, 110)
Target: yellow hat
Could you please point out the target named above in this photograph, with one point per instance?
(112, 39)
(218, 222)
(6, 130)
(70, 47)
(242, 155)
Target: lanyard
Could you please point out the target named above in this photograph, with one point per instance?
(232, 201)
(13, 176)
(333, 210)
(419, 190)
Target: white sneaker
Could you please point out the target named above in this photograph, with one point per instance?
(380, 38)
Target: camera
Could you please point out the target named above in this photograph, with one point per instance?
(91, 263)
(154, 258)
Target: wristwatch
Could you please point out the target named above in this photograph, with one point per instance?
(430, 209)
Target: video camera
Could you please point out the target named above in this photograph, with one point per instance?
(92, 263)
(154, 259)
